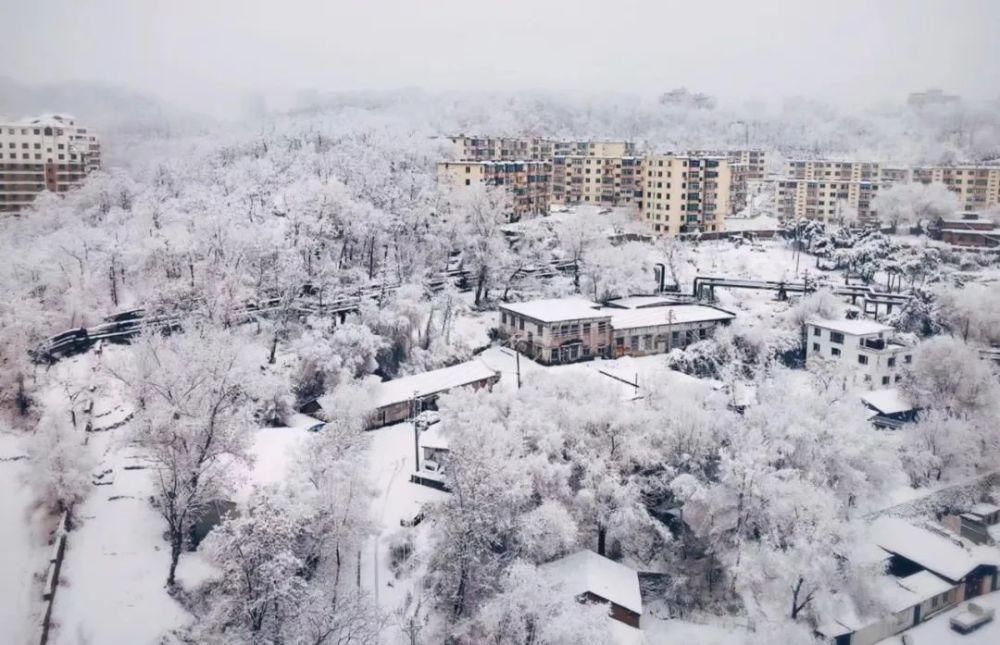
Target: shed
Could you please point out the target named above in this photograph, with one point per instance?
(594, 578)
(399, 399)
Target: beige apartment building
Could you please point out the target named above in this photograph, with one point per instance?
(529, 183)
(825, 199)
(601, 180)
(684, 194)
(745, 165)
(977, 187)
(46, 153)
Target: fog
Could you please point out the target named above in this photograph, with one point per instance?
(209, 55)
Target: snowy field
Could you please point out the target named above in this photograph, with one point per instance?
(24, 551)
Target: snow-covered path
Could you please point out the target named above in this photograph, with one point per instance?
(23, 548)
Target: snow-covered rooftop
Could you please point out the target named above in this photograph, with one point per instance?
(933, 552)
(556, 309)
(984, 509)
(858, 327)
(432, 437)
(666, 315)
(427, 383)
(641, 302)
(887, 401)
(586, 571)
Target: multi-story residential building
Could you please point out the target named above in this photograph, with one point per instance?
(745, 165)
(534, 148)
(825, 199)
(684, 194)
(45, 153)
(528, 182)
(977, 187)
(825, 169)
(864, 345)
(607, 181)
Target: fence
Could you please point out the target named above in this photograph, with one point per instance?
(52, 576)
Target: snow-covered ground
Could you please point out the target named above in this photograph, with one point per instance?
(24, 551)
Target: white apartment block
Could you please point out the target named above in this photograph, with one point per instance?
(864, 346)
(45, 153)
(684, 194)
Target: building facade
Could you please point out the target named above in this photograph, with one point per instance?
(863, 345)
(46, 153)
(684, 194)
(977, 187)
(602, 180)
(825, 199)
(529, 183)
(470, 148)
(554, 331)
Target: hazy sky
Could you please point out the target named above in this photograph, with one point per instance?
(199, 52)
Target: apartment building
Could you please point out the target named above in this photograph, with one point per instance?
(825, 169)
(601, 180)
(49, 152)
(534, 148)
(977, 187)
(684, 194)
(825, 199)
(865, 345)
(529, 183)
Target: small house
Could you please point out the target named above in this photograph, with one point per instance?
(890, 407)
(867, 346)
(593, 578)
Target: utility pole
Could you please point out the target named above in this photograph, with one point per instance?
(517, 360)
(416, 433)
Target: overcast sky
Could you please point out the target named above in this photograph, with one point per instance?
(198, 52)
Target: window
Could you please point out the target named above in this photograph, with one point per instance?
(898, 378)
(586, 329)
(815, 347)
(908, 359)
(834, 351)
(602, 328)
(503, 318)
(836, 337)
(633, 343)
(620, 342)
(468, 182)
(885, 380)
(520, 324)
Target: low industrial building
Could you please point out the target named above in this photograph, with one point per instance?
(926, 574)
(877, 359)
(403, 398)
(565, 330)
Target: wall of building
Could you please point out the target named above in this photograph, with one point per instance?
(545, 342)
(883, 368)
(529, 183)
(51, 153)
(684, 194)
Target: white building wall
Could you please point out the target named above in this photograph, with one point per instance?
(873, 367)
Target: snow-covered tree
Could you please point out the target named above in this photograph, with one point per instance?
(914, 203)
(192, 411)
(60, 462)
